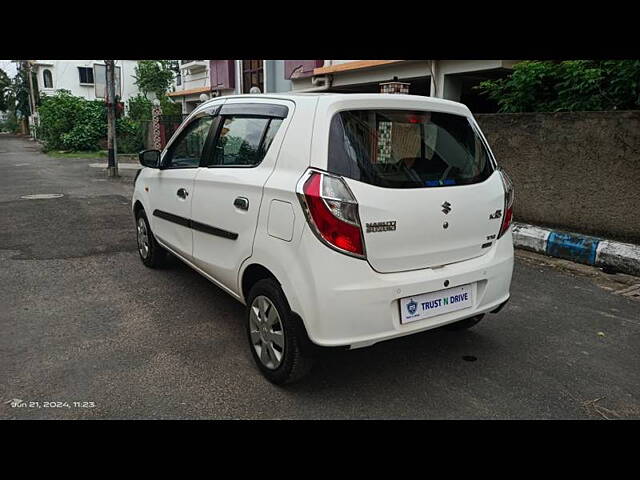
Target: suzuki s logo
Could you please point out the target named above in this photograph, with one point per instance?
(412, 306)
(446, 208)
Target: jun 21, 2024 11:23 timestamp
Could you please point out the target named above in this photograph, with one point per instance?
(17, 403)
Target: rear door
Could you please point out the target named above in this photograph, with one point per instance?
(228, 188)
(426, 184)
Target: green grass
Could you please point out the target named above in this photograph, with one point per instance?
(64, 154)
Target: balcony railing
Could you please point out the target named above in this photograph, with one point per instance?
(193, 65)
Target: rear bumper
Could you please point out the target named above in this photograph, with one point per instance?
(346, 302)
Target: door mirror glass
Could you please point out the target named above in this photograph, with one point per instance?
(149, 158)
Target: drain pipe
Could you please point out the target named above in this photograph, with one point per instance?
(320, 84)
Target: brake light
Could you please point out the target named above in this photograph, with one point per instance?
(508, 203)
(332, 212)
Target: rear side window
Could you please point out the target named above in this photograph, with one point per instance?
(407, 149)
(243, 141)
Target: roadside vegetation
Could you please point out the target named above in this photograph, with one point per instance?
(567, 86)
(14, 100)
(72, 126)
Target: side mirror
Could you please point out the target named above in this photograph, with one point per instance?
(150, 158)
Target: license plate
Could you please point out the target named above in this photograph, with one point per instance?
(426, 305)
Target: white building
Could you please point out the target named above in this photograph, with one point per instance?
(84, 78)
(450, 79)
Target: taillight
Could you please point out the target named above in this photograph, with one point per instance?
(508, 203)
(332, 212)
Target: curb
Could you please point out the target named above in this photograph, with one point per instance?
(599, 252)
(123, 165)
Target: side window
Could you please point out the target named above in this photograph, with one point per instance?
(272, 129)
(244, 140)
(186, 151)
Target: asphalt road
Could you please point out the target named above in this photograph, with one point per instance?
(82, 320)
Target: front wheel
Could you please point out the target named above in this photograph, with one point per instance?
(277, 339)
(151, 253)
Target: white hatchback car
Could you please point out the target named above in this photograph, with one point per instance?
(337, 219)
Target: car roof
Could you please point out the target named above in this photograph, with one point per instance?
(330, 97)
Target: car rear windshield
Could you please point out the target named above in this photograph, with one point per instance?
(407, 149)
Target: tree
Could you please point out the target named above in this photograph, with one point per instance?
(572, 85)
(5, 91)
(20, 89)
(154, 76)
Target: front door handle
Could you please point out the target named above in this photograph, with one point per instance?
(242, 203)
(182, 193)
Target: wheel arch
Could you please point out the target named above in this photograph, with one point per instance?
(251, 275)
(255, 272)
(137, 206)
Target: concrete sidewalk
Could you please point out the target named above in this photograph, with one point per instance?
(121, 165)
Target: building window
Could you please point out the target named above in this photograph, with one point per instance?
(48, 78)
(86, 75)
(252, 75)
(178, 79)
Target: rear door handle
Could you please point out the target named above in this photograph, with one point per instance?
(182, 193)
(242, 203)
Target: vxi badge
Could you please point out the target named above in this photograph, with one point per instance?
(388, 226)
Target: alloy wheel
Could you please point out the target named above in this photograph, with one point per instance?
(143, 238)
(266, 332)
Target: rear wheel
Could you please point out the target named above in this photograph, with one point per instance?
(465, 324)
(151, 253)
(277, 340)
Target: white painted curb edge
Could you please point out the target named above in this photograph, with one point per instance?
(619, 256)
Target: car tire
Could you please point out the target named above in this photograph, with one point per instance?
(277, 339)
(150, 251)
(464, 324)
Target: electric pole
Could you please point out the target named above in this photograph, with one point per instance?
(32, 98)
(110, 94)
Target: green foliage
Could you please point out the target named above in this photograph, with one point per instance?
(154, 76)
(131, 138)
(72, 123)
(89, 127)
(75, 124)
(573, 85)
(140, 107)
(128, 135)
(169, 107)
(10, 124)
(5, 91)
(21, 91)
